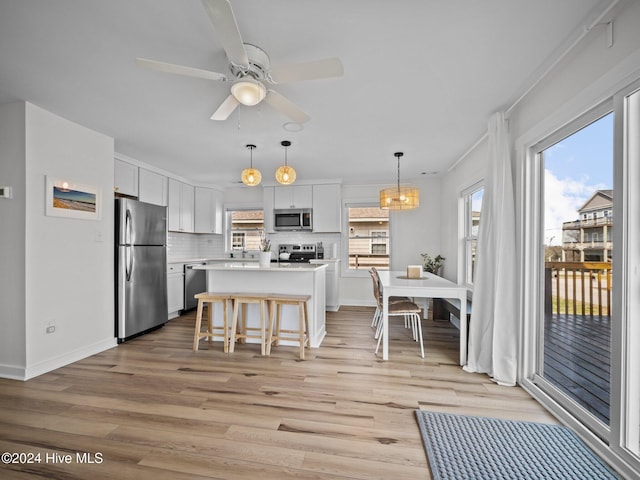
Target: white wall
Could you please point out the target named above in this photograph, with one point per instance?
(12, 248)
(68, 263)
(468, 172)
(412, 233)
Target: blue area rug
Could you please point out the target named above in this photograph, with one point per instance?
(462, 447)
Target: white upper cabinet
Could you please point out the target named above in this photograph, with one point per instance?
(153, 188)
(208, 210)
(327, 208)
(125, 178)
(293, 196)
(181, 206)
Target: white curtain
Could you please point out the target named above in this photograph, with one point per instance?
(493, 330)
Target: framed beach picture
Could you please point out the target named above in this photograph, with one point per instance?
(72, 200)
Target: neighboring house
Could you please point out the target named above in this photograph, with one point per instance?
(247, 229)
(590, 237)
(368, 237)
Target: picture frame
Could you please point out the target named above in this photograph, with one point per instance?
(72, 200)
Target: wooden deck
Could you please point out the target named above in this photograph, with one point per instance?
(577, 359)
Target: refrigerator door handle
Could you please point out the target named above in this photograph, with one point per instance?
(127, 230)
(128, 262)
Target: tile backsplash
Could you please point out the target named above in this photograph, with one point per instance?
(189, 245)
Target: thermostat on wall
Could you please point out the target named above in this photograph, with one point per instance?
(6, 192)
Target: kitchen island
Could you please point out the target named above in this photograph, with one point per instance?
(278, 278)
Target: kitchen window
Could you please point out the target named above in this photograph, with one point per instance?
(244, 229)
(368, 237)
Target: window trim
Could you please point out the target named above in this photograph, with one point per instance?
(464, 235)
(228, 234)
(344, 255)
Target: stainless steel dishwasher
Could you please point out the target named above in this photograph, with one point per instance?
(195, 281)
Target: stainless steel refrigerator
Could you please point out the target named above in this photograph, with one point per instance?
(141, 267)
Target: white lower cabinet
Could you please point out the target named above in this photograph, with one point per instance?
(332, 290)
(175, 288)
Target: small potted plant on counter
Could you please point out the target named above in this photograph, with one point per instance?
(265, 251)
(432, 265)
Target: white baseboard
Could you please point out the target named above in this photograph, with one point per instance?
(12, 372)
(7, 371)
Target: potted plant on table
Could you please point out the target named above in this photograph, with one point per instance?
(432, 265)
(265, 251)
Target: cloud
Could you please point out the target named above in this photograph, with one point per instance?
(562, 200)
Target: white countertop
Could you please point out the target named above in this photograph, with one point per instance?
(212, 259)
(255, 267)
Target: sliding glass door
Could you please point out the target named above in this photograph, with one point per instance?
(576, 256)
(582, 276)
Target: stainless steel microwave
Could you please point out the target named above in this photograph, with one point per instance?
(293, 219)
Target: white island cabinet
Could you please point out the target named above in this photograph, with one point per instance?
(301, 279)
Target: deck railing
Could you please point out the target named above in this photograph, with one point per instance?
(368, 260)
(577, 288)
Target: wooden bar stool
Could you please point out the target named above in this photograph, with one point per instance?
(242, 333)
(301, 335)
(210, 298)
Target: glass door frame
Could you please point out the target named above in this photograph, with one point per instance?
(593, 424)
(626, 361)
(610, 442)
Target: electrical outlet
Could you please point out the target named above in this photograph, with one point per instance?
(50, 327)
(6, 192)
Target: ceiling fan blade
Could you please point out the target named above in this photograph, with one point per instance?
(224, 22)
(329, 67)
(286, 106)
(180, 70)
(225, 109)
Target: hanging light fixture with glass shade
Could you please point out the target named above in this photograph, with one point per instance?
(285, 174)
(399, 197)
(251, 176)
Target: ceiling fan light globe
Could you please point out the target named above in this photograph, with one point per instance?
(248, 91)
(251, 177)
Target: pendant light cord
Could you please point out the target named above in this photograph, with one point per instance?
(398, 155)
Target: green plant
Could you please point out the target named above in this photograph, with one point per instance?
(431, 265)
(265, 244)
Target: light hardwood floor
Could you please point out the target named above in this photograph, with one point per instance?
(153, 408)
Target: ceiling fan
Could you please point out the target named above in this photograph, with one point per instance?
(251, 69)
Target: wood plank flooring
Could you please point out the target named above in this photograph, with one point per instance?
(577, 359)
(153, 408)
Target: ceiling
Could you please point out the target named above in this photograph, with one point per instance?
(420, 76)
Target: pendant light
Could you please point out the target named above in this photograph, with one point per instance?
(397, 197)
(251, 176)
(285, 174)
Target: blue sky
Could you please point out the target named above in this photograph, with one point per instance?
(574, 169)
(586, 155)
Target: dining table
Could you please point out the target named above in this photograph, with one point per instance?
(398, 284)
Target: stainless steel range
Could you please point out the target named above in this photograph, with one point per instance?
(298, 252)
